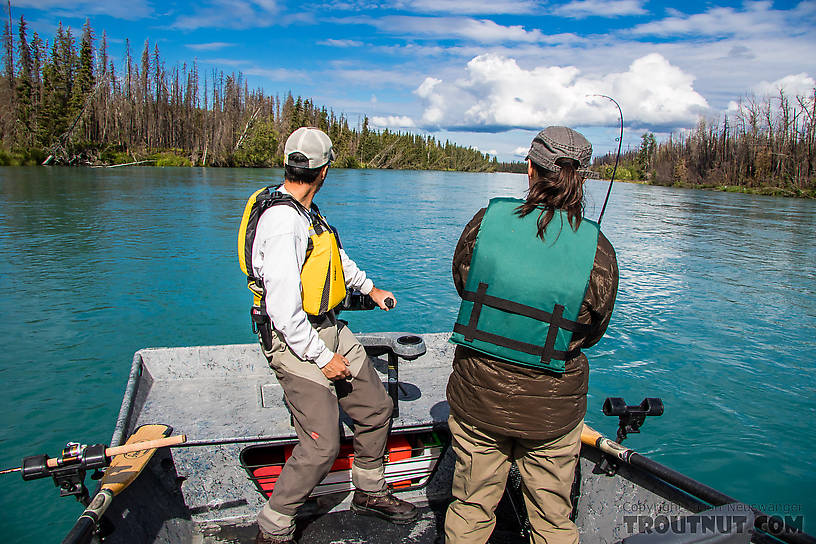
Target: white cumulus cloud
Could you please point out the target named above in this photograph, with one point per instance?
(393, 121)
(131, 10)
(278, 74)
(496, 93)
(792, 85)
(754, 18)
(229, 14)
(211, 46)
(801, 86)
(341, 43)
(467, 28)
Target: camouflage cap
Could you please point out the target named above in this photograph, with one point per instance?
(555, 143)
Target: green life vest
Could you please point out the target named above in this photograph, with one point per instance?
(523, 295)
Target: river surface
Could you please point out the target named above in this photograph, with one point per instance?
(716, 311)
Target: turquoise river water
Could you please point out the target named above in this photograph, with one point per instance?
(716, 311)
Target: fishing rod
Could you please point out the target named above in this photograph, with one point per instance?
(75, 453)
(123, 465)
(617, 157)
(69, 468)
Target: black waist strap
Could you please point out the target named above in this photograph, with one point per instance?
(555, 319)
(320, 318)
(523, 347)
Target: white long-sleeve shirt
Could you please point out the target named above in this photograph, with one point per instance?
(278, 254)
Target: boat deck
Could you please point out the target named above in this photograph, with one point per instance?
(225, 398)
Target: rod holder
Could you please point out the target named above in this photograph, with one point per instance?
(630, 418)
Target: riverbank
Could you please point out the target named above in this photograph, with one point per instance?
(115, 157)
(35, 157)
(452, 159)
(762, 190)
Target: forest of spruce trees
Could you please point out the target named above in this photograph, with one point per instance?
(64, 101)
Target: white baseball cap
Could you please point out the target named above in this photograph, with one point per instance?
(311, 142)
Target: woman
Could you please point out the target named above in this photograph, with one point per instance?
(538, 284)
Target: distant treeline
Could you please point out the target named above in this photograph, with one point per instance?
(66, 103)
(765, 146)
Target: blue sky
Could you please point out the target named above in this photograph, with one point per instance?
(483, 74)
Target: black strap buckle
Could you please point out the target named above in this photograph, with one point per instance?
(258, 318)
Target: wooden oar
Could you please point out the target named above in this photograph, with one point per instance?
(128, 462)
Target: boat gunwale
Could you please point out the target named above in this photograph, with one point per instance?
(126, 409)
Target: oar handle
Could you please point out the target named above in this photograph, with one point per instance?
(591, 437)
(136, 446)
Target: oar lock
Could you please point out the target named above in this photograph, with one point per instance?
(630, 419)
(68, 470)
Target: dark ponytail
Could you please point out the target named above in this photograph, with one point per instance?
(550, 191)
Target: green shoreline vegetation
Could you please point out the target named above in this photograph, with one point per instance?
(766, 147)
(64, 103)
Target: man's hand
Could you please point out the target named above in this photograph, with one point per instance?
(379, 296)
(337, 368)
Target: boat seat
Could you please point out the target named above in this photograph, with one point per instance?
(727, 524)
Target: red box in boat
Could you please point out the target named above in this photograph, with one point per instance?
(410, 459)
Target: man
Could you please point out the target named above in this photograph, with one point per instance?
(538, 284)
(318, 362)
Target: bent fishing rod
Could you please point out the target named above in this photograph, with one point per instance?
(617, 157)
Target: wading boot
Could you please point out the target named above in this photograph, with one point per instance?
(385, 506)
(264, 538)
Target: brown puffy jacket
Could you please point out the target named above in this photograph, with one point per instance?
(529, 403)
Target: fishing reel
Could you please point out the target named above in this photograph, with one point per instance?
(68, 470)
(630, 418)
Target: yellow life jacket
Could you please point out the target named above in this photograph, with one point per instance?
(323, 285)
